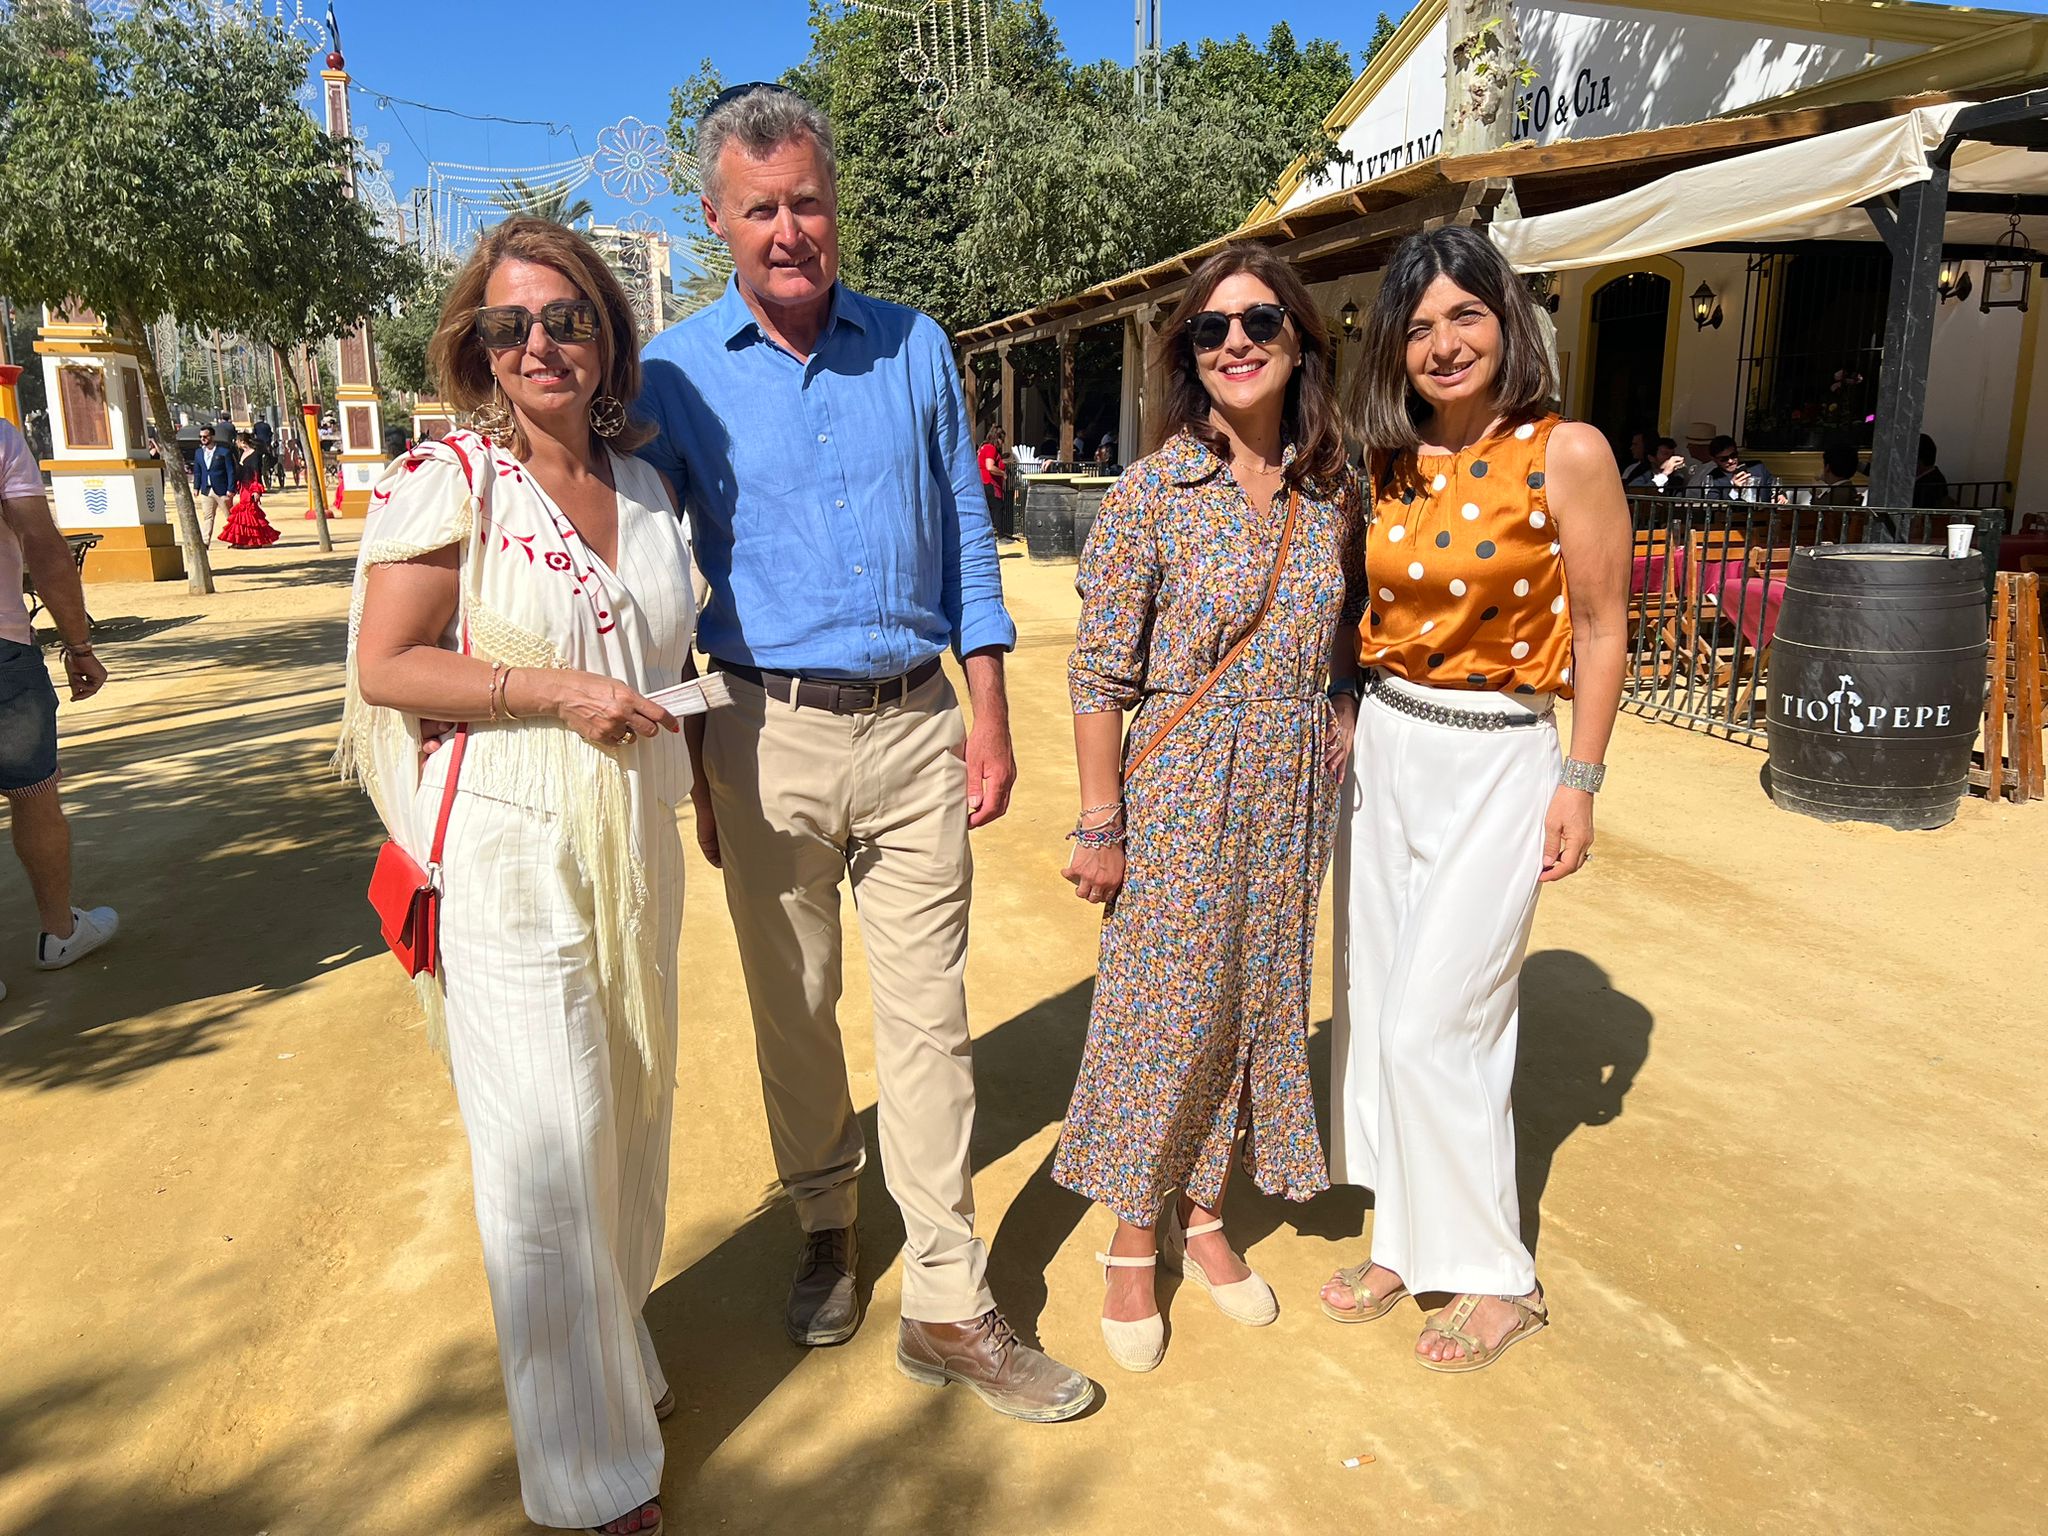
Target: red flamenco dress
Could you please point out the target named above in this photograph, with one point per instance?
(247, 527)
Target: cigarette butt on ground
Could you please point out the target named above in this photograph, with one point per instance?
(1362, 1459)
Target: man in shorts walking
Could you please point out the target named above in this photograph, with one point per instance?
(28, 704)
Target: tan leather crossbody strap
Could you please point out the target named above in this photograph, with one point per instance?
(1230, 657)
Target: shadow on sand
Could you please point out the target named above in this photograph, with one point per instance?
(215, 825)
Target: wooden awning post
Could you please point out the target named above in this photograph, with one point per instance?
(1914, 236)
(1131, 417)
(1067, 395)
(1006, 400)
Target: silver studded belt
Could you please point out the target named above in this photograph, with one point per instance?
(1444, 714)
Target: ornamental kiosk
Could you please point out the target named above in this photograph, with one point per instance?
(103, 478)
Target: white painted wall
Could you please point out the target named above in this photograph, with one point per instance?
(2032, 493)
(1971, 376)
(1601, 69)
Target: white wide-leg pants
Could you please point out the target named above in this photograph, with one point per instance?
(1439, 847)
(569, 1148)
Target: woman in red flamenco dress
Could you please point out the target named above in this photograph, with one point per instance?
(247, 527)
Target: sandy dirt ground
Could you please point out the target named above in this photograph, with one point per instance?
(1780, 1099)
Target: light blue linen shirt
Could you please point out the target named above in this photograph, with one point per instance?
(836, 503)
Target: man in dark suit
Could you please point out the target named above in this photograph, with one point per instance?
(266, 448)
(213, 480)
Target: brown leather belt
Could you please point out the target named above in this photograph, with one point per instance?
(836, 697)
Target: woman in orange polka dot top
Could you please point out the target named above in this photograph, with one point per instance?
(1497, 561)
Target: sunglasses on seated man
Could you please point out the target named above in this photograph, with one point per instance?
(499, 326)
(1209, 329)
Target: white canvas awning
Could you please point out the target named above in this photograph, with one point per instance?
(1808, 189)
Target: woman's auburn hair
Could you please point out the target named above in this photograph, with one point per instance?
(458, 363)
(1386, 411)
(1309, 418)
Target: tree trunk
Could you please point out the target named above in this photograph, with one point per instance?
(316, 495)
(198, 572)
(1483, 58)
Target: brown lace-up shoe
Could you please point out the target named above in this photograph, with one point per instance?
(824, 1302)
(1007, 1374)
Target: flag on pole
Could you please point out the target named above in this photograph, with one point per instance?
(333, 27)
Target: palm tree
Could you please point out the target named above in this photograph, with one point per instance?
(714, 266)
(547, 201)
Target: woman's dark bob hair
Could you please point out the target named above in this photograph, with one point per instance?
(1309, 419)
(1386, 412)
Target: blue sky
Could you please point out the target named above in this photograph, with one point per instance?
(586, 66)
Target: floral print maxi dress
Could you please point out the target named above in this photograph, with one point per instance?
(1200, 1019)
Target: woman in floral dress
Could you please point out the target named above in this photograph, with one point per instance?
(1211, 857)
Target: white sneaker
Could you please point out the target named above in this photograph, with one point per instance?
(89, 930)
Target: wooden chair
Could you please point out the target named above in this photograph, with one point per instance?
(1651, 607)
(1693, 628)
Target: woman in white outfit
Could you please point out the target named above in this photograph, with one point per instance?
(533, 584)
(1497, 558)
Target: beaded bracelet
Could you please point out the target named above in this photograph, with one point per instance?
(1108, 835)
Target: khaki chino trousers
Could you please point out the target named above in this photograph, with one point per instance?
(807, 800)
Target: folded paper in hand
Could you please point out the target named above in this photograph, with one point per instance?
(695, 696)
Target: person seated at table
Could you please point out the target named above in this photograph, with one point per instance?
(1667, 469)
(1642, 463)
(1930, 485)
(1731, 477)
(1838, 471)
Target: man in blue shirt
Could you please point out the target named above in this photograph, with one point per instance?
(826, 462)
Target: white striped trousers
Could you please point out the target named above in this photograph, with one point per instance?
(569, 1149)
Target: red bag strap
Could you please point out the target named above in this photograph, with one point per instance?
(461, 743)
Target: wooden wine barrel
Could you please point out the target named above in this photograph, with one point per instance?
(1877, 683)
(1049, 518)
(1088, 496)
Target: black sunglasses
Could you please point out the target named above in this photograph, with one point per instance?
(1208, 329)
(499, 326)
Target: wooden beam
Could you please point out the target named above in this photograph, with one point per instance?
(1398, 220)
(1713, 136)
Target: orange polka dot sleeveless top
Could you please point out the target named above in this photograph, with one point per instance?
(1465, 570)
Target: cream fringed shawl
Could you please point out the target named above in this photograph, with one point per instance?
(531, 595)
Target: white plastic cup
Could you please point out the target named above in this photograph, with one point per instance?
(1959, 536)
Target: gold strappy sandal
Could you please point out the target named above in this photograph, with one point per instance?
(1452, 1321)
(1370, 1308)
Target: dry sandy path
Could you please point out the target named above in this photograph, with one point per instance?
(1780, 1100)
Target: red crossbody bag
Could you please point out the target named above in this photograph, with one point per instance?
(407, 898)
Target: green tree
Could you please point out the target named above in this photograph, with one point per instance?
(549, 200)
(1383, 32)
(102, 122)
(402, 337)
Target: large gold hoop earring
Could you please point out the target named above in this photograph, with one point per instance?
(494, 417)
(607, 416)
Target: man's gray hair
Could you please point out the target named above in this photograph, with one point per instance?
(761, 122)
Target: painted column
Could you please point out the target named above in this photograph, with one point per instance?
(356, 409)
(102, 477)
